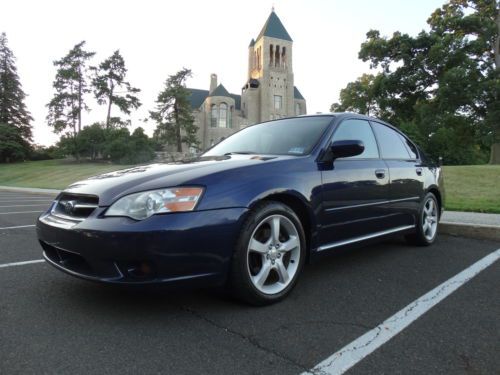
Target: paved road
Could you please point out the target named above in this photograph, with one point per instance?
(53, 323)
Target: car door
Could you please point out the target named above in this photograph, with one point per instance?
(406, 173)
(355, 190)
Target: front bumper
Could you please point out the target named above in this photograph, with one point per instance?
(172, 248)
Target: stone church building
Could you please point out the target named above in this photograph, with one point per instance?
(269, 92)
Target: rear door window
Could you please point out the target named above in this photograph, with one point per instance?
(390, 142)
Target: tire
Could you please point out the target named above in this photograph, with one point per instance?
(427, 222)
(269, 255)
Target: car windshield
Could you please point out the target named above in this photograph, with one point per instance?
(293, 136)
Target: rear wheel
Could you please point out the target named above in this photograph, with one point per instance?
(269, 256)
(427, 222)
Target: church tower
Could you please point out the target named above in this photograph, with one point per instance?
(269, 92)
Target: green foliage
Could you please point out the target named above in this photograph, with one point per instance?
(358, 96)
(40, 152)
(173, 115)
(96, 142)
(441, 86)
(70, 84)
(12, 146)
(16, 132)
(111, 88)
(123, 148)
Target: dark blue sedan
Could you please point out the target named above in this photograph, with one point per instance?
(249, 212)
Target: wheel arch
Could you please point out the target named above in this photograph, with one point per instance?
(300, 207)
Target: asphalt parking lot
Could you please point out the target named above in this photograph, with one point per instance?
(53, 323)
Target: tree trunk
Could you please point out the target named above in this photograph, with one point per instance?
(495, 147)
(177, 128)
(495, 153)
(110, 102)
(80, 105)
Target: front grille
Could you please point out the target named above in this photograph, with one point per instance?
(75, 207)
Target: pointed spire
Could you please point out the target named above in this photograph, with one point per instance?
(274, 28)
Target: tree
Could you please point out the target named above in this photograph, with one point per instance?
(358, 96)
(441, 84)
(109, 83)
(91, 141)
(12, 145)
(13, 111)
(175, 122)
(70, 84)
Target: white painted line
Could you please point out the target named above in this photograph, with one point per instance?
(27, 196)
(20, 212)
(25, 200)
(19, 226)
(5, 265)
(349, 355)
(25, 205)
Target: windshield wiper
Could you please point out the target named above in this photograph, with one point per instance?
(240, 153)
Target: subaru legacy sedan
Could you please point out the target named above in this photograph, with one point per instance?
(251, 211)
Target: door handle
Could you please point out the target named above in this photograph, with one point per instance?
(419, 171)
(380, 173)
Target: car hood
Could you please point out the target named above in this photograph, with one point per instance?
(111, 186)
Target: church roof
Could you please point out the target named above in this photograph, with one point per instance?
(198, 96)
(220, 91)
(252, 43)
(274, 28)
(297, 94)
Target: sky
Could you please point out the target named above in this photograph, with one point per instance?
(158, 38)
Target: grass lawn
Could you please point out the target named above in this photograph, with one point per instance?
(468, 188)
(51, 174)
(473, 188)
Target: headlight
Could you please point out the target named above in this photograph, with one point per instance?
(140, 206)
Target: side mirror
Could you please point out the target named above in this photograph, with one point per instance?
(344, 149)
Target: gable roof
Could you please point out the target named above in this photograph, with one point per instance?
(198, 96)
(297, 94)
(274, 28)
(219, 91)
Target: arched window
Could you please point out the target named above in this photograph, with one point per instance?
(271, 55)
(277, 56)
(230, 117)
(297, 109)
(213, 116)
(283, 57)
(223, 115)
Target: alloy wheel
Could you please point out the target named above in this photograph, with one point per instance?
(429, 219)
(273, 254)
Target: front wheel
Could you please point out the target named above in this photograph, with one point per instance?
(427, 222)
(269, 256)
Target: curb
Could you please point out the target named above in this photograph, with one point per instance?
(482, 232)
(29, 190)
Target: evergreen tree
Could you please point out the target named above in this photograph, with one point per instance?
(111, 88)
(13, 111)
(173, 114)
(70, 84)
